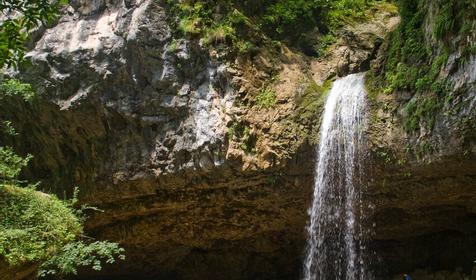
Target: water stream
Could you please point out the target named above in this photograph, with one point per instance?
(335, 248)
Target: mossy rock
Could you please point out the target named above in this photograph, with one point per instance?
(310, 106)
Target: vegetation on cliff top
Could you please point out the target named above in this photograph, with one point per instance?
(238, 22)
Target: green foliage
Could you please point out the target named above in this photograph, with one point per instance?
(197, 19)
(424, 149)
(420, 151)
(324, 42)
(15, 88)
(242, 134)
(220, 32)
(236, 22)
(33, 226)
(36, 227)
(266, 98)
(80, 254)
(408, 66)
(413, 66)
(342, 12)
(22, 17)
(193, 16)
(7, 128)
(284, 14)
(421, 110)
(453, 17)
(385, 156)
(406, 60)
(173, 46)
(40, 228)
(445, 21)
(11, 165)
(245, 47)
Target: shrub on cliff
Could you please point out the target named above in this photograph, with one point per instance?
(20, 17)
(238, 22)
(33, 226)
(36, 229)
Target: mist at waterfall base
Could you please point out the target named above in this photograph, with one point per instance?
(335, 247)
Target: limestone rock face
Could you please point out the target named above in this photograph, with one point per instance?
(137, 119)
(195, 179)
(159, 104)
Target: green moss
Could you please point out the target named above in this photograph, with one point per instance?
(310, 105)
(313, 98)
(422, 150)
(411, 65)
(445, 20)
(389, 7)
(324, 43)
(373, 87)
(241, 134)
(421, 111)
(33, 226)
(266, 99)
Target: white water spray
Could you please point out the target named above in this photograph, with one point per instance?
(334, 248)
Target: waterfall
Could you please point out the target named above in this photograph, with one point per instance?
(334, 247)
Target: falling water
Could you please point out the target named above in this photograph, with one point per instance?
(334, 248)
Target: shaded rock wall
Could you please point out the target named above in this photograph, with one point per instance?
(423, 188)
(159, 110)
(140, 126)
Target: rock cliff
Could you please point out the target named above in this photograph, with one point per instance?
(198, 180)
(423, 140)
